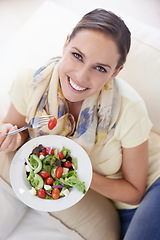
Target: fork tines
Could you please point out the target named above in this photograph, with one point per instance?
(44, 118)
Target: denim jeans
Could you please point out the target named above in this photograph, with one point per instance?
(143, 223)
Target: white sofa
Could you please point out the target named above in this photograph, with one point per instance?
(41, 38)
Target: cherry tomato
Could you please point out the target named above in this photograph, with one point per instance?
(49, 180)
(41, 153)
(55, 193)
(60, 155)
(67, 164)
(52, 123)
(41, 193)
(49, 150)
(58, 172)
(44, 174)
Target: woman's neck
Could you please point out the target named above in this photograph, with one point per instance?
(74, 108)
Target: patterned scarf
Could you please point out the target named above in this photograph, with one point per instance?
(97, 117)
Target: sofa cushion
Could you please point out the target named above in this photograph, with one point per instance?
(142, 69)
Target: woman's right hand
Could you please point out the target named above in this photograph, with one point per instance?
(9, 143)
(11, 122)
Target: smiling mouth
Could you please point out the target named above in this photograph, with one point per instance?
(75, 86)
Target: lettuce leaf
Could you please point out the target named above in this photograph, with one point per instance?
(73, 181)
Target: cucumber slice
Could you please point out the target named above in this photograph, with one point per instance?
(37, 182)
(36, 163)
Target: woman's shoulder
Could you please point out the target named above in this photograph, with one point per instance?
(19, 89)
(127, 91)
(23, 78)
(131, 101)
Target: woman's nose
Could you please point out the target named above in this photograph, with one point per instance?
(83, 73)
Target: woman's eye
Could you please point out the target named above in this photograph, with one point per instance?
(101, 69)
(77, 55)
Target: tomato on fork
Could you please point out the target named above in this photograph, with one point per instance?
(52, 123)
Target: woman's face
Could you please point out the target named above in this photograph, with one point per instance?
(89, 61)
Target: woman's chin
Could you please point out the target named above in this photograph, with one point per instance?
(73, 99)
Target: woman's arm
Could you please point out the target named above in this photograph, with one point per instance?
(130, 189)
(12, 121)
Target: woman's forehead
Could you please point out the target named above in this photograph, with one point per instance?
(93, 39)
(96, 45)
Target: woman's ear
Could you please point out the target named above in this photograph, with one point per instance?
(66, 43)
(117, 71)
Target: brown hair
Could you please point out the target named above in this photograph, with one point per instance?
(110, 24)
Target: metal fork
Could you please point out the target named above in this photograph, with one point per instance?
(35, 122)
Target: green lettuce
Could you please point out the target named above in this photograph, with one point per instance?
(73, 181)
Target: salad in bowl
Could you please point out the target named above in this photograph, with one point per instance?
(50, 173)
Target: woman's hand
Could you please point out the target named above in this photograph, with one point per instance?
(9, 143)
(11, 122)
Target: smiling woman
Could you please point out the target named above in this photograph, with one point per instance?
(101, 113)
(88, 69)
(83, 72)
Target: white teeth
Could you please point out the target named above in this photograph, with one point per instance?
(76, 87)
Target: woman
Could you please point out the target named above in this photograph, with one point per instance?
(103, 114)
